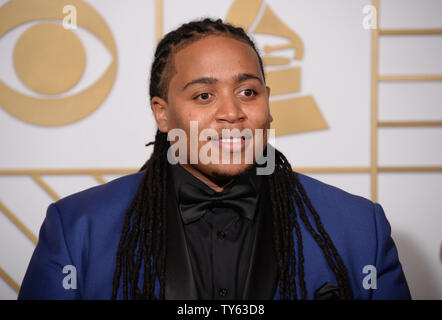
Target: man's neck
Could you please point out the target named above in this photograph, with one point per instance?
(216, 184)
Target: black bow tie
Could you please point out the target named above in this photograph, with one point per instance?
(195, 197)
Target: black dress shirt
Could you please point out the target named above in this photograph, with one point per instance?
(220, 229)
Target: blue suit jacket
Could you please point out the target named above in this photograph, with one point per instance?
(83, 230)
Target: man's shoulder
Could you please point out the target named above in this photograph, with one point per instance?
(111, 196)
(323, 192)
(337, 206)
(346, 217)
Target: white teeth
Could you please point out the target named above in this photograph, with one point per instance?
(228, 140)
(234, 140)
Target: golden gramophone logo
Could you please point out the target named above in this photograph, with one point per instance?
(290, 115)
(50, 59)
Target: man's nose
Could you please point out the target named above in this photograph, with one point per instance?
(229, 110)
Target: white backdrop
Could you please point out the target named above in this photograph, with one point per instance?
(336, 71)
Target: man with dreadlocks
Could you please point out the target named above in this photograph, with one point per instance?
(205, 230)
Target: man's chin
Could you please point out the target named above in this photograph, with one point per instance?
(228, 171)
(222, 172)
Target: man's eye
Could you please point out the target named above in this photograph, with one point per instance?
(249, 92)
(203, 96)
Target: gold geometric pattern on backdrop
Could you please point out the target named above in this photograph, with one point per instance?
(50, 60)
(249, 10)
(290, 115)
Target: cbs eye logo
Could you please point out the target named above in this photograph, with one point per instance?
(50, 60)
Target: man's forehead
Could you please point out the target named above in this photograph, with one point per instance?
(216, 52)
(220, 57)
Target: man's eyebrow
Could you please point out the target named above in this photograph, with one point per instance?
(209, 80)
(246, 76)
(206, 80)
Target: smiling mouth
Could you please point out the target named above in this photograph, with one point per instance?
(231, 144)
(229, 140)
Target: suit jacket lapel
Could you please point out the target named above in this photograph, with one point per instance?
(179, 282)
(262, 277)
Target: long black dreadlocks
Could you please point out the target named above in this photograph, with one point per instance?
(143, 238)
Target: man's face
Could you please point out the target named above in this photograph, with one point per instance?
(217, 82)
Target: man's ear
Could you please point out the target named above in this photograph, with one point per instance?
(268, 91)
(160, 111)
